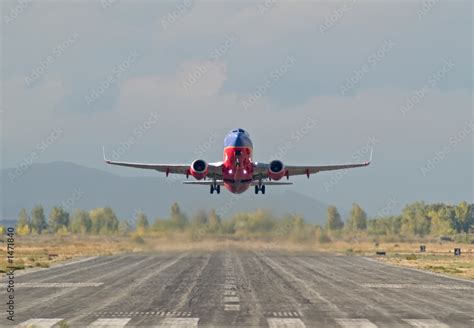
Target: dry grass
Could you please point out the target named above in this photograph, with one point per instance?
(36, 251)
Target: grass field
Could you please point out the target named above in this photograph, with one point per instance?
(46, 250)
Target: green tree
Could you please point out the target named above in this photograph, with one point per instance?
(214, 221)
(199, 218)
(104, 221)
(442, 222)
(142, 223)
(58, 219)
(357, 219)
(415, 219)
(334, 221)
(80, 222)
(142, 220)
(178, 219)
(38, 220)
(23, 219)
(464, 217)
(124, 227)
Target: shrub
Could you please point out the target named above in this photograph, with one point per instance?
(411, 257)
(137, 239)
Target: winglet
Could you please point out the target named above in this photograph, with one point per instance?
(371, 153)
(103, 152)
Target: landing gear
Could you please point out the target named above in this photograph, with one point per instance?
(260, 188)
(215, 187)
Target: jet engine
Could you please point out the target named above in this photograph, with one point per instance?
(199, 169)
(276, 170)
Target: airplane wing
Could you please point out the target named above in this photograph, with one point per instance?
(261, 169)
(214, 168)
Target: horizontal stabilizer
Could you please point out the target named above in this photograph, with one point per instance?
(271, 183)
(204, 183)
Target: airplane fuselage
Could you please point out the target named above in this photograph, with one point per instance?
(237, 169)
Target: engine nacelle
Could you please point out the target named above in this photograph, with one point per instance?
(199, 169)
(276, 170)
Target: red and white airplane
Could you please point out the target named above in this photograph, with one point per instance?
(237, 172)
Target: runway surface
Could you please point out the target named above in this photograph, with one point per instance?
(239, 289)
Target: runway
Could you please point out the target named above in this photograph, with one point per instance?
(234, 288)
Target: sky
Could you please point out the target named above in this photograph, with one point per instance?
(312, 82)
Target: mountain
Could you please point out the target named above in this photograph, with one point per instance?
(73, 186)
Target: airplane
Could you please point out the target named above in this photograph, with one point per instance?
(237, 172)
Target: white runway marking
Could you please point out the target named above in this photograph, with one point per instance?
(230, 293)
(285, 323)
(355, 323)
(39, 323)
(422, 286)
(110, 322)
(231, 299)
(231, 307)
(425, 323)
(58, 284)
(179, 323)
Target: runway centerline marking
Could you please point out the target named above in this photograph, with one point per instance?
(231, 298)
(110, 322)
(40, 323)
(285, 323)
(179, 323)
(425, 323)
(355, 323)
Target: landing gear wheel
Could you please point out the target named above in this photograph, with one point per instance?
(259, 188)
(212, 189)
(218, 189)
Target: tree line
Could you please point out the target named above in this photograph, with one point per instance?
(416, 220)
